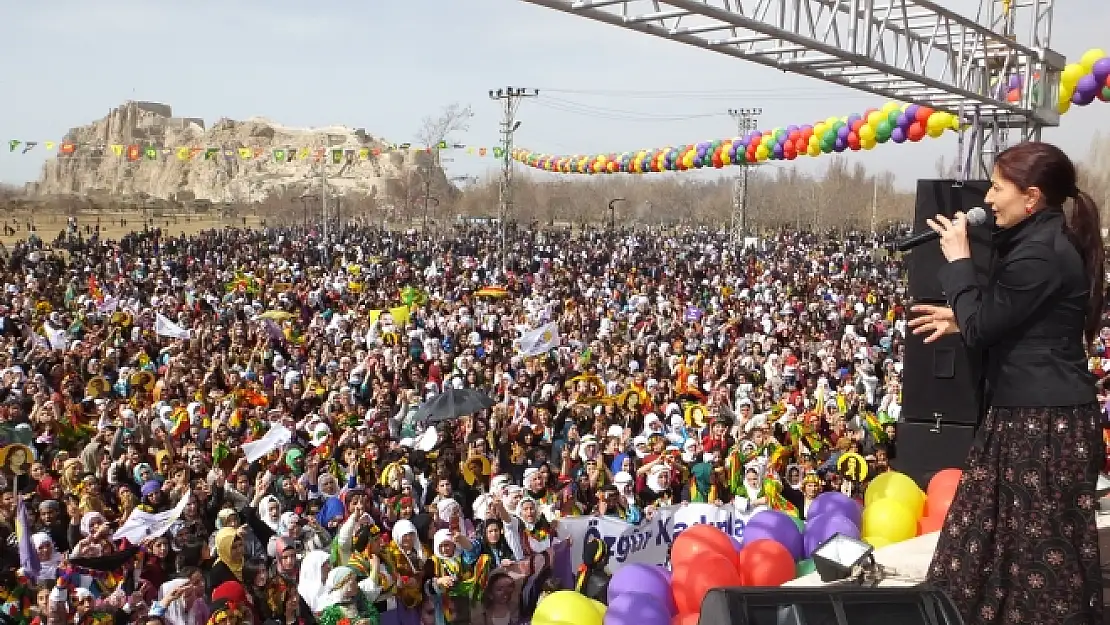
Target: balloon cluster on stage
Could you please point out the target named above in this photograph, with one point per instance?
(893, 123)
(775, 549)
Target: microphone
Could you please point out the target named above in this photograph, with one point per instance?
(975, 217)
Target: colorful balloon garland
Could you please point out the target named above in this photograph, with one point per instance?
(892, 122)
(1080, 83)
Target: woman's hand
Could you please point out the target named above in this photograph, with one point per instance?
(953, 236)
(935, 321)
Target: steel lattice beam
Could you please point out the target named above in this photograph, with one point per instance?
(907, 50)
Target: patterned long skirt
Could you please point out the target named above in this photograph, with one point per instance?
(1019, 544)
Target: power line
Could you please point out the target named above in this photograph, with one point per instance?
(762, 94)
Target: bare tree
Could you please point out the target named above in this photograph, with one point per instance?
(453, 119)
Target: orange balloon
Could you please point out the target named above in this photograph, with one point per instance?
(941, 492)
(692, 580)
(765, 562)
(701, 540)
(928, 524)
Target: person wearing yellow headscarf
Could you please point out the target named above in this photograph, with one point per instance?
(229, 558)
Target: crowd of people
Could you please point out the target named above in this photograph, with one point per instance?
(144, 383)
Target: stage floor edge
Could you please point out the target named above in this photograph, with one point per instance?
(907, 562)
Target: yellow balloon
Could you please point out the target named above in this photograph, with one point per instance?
(877, 542)
(813, 149)
(888, 518)
(1064, 107)
(566, 607)
(831, 121)
(889, 107)
(867, 144)
(935, 131)
(866, 133)
(897, 486)
(1090, 57)
(873, 121)
(725, 158)
(1071, 75)
(600, 607)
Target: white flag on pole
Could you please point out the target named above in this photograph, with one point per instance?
(165, 327)
(539, 341)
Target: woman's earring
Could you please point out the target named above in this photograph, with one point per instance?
(1028, 210)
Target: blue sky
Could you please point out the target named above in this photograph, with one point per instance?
(383, 65)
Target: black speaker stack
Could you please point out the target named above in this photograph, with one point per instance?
(828, 605)
(942, 398)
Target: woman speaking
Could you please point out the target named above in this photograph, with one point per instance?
(1019, 544)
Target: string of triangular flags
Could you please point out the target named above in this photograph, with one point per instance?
(338, 154)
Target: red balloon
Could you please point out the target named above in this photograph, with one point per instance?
(856, 125)
(686, 619)
(765, 562)
(1108, 81)
(853, 140)
(795, 135)
(791, 155)
(923, 114)
(927, 524)
(693, 579)
(916, 132)
(1013, 95)
(702, 540)
(717, 162)
(941, 491)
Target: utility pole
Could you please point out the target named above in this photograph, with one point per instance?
(746, 121)
(324, 205)
(510, 98)
(875, 206)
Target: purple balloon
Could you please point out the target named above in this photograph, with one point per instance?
(898, 135)
(1015, 81)
(835, 503)
(840, 145)
(736, 543)
(776, 526)
(842, 132)
(778, 151)
(911, 112)
(642, 579)
(821, 528)
(637, 609)
(1088, 86)
(904, 119)
(1081, 98)
(1101, 69)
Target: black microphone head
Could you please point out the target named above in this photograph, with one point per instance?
(977, 216)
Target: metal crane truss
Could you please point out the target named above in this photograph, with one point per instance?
(907, 50)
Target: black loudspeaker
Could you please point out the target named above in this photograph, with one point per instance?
(828, 605)
(946, 197)
(925, 448)
(941, 380)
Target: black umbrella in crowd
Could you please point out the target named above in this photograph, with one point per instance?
(452, 404)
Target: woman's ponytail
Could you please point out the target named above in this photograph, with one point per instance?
(1085, 232)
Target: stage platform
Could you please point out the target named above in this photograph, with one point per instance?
(907, 562)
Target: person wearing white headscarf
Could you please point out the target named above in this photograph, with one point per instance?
(407, 561)
(450, 515)
(314, 570)
(344, 597)
(269, 512)
(49, 558)
(177, 604)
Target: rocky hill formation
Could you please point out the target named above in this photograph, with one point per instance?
(97, 169)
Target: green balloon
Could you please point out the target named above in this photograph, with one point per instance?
(827, 147)
(800, 523)
(884, 128)
(1106, 93)
(893, 117)
(804, 567)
